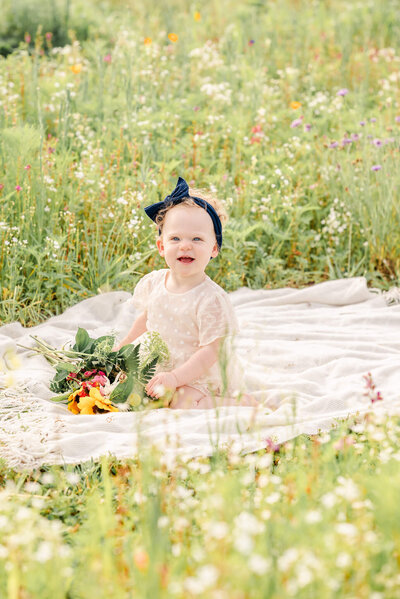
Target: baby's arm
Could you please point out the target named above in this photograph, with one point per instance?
(198, 364)
(138, 328)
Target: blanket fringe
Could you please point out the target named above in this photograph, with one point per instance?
(391, 296)
(26, 428)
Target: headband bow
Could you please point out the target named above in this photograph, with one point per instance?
(182, 191)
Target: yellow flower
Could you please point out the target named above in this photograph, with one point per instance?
(197, 16)
(147, 41)
(12, 360)
(76, 68)
(134, 400)
(86, 405)
(173, 37)
(103, 403)
(295, 105)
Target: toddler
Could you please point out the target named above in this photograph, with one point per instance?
(190, 311)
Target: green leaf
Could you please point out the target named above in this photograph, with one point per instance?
(82, 340)
(65, 366)
(125, 351)
(148, 371)
(123, 390)
(132, 360)
(63, 397)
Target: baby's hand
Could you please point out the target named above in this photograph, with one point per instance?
(160, 383)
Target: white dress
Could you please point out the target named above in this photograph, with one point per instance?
(190, 320)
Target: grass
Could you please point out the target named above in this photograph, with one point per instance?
(94, 131)
(314, 517)
(287, 110)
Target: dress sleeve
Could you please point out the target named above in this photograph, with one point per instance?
(216, 318)
(142, 291)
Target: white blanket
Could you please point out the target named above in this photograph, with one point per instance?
(304, 353)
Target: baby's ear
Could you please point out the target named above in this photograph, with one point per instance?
(215, 251)
(160, 245)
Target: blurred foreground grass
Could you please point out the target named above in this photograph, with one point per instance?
(313, 517)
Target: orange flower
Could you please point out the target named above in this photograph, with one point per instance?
(72, 402)
(73, 407)
(197, 16)
(141, 559)
(76, 68)
(173, 37)
(295, 105)
(147, 41)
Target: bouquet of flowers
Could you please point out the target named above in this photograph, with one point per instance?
(93, 379)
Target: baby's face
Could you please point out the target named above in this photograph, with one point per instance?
(187, 231)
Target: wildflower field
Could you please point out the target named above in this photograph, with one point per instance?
(289, 111)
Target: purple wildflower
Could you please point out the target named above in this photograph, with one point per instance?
(307, 126)
(376, 167)
(346, 141)
(377, 142)
(343, 92)
(271, 445)
(355, 136)
(251, 42)
(296, 122)
(196, 108)
(334, 144)
(373, 120)
(362, 123)
(397, 119)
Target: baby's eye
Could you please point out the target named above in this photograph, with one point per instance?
(172, 238)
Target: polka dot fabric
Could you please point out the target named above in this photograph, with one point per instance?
(190, 320)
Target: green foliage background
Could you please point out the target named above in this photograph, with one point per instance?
(94, 130)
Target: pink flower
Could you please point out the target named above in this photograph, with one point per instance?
(101, 379)
(107, 58)
(27, 167)
(343, 442)
(49, 35)
(27, 38)
(296, 122)
(89, 373)
(72, 375)
(18, 188)
(272, 446)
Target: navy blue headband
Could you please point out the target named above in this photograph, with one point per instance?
(180, 192)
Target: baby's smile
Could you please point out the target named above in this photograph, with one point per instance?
(186, 259)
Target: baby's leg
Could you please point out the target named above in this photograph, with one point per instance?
(186, 397)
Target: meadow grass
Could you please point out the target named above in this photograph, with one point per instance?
(245, 102)
(289, 111)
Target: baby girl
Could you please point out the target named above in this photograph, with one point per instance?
(189, 310)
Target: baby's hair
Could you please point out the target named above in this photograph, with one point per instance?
(198, 193)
